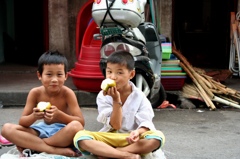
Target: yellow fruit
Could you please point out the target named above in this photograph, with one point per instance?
(107, 83)
(42, 106)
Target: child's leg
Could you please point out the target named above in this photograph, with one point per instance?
(100, 148)
(64, 137)
(27, 138)
(143, 146)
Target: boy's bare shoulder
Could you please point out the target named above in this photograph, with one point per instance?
(67, 91)
(40, 91)
(36, 90)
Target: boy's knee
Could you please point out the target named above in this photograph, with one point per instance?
(156, 134)
(74, 126)
(82, 146)
(6, 128)
(82, 143)
(162, 136)
(80, 136)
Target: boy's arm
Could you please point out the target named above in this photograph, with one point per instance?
(142, 130)
(134, 135)
(116, 116)
(104, 111)
(30, 113)
(145, 114)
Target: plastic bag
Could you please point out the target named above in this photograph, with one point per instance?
(14, 154)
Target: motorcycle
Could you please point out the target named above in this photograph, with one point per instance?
(122, 27)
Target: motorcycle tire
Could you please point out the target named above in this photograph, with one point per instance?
(162, 97)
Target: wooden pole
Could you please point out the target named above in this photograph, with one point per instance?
(203, 94)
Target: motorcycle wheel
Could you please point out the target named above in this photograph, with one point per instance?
(162, 96)
(142, 84)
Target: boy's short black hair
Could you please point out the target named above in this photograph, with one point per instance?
(52, 57)
(122, 58)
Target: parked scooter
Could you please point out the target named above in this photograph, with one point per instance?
(123, 27)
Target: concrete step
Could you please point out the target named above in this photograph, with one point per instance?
(17, 80)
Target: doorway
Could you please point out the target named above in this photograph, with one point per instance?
(25, 37)
(201, 31)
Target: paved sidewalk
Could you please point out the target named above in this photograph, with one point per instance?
(190, 134)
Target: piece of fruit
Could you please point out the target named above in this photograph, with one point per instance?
(42, 106)
(107, 83)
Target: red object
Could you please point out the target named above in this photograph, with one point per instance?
(83, 18)
(98, 1)
(87, 75)
(87, 83)
(166, 104)
(172, 83)
(124, 1)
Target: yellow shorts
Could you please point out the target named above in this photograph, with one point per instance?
(114, 139)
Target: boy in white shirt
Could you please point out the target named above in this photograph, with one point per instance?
(126, 113)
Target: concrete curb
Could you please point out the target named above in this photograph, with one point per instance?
(19, 98)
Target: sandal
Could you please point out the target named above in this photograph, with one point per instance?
(5, 142)
(166, 104)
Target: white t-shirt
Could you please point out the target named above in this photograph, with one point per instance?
(137, 111)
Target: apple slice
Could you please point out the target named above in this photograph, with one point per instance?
(107, 83)
(42, 106)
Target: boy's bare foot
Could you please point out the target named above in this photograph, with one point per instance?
(66, 152)
(129, 157)
(100, 157)
(59, 151)
(133, 156)
(20, 149)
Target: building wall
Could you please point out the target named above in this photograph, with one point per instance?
(62, 26)
(165, 16)
(1, 31)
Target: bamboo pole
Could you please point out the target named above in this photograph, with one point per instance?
(231, 91)
(235, 36)
(236, 96)
(208, 91)
(223, 90)
(220, 100)
(218, 84)
(206, 86)
(210, 81)
(224, 97)
(232, 20)
(216, 91)
(203, 94)
(189, 66)
(195, 77)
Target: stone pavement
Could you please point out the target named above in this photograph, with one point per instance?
(190, 133)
